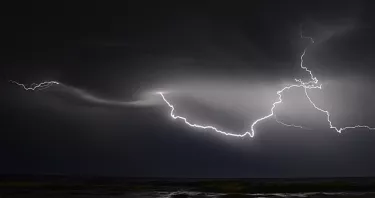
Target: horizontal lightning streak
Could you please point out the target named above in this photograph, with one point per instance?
(339, 130)
(250, 133)
(290, 125)
(34, 86)
(312, 84)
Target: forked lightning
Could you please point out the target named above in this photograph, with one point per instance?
(312, 84)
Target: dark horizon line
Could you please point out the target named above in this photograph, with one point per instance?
(174, 178)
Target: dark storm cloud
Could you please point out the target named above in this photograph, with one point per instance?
(220, 63)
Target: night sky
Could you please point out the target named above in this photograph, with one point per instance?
(219, 62)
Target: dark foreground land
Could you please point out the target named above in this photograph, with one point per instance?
(68, 186)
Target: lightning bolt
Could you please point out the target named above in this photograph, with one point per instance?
(34, 87)
(312, 84)
(339, 130)
(290, 125)
(251, 134)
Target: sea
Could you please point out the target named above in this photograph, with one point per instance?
(62, 186)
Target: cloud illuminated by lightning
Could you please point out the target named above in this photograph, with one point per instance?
(144, 101)
(312, 84)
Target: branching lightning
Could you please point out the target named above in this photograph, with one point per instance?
(34, 87)
(339, 130)
(251, 133)
(312, 84)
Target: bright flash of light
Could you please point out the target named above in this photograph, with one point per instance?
(251, 133)
(312, 84)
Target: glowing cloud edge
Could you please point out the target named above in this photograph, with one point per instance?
(312, 84)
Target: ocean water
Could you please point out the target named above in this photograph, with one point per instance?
(97, 187)
(178, 194)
